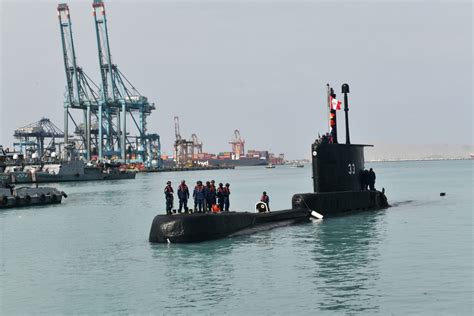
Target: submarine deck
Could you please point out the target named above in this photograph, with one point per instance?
(198, 227)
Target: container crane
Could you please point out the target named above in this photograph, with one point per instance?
(183, 149)
(81, 91)
(34, 136)
(108, 103)
(197, 145)
(237, 145)
(118, 97)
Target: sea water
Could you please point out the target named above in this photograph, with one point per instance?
(91, 255)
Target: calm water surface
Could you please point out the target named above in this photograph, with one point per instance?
(91, 254)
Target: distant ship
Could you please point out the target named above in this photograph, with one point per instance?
(66, 171)
(225, 162)
(297, 165)
(241, 162)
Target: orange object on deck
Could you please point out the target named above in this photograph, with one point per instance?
(215, 208)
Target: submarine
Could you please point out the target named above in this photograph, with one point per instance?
(338, 189)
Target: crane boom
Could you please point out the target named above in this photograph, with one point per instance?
(176, 128)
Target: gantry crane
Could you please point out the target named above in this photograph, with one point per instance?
(81, 91)
(182, 147)
(32, 138)
(115, 101)
(119, 97)
(197, 145)
(237, 144)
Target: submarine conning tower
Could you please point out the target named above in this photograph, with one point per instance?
(337, 167)
(337, 171)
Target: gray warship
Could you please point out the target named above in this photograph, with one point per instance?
(66, 171)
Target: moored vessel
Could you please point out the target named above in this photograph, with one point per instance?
(74, 170)
(11, 197)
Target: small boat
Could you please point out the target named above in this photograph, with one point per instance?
(297, 165)
(270, 166)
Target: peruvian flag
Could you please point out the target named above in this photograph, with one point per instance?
(335, 103)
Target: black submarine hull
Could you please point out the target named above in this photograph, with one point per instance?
(198, 227)
(331, 204)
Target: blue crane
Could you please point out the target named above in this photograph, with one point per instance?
(111, 102)
(119, 97)
(81, 91)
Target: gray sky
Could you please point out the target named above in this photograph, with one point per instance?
(259, 66)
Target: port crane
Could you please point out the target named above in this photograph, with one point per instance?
(38, 137)
(81, 91)
(112, 103)
(182, 147)
(197, 145)
(237, 144)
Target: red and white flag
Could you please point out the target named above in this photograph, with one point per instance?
(335, 103)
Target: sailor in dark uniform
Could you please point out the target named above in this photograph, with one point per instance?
(371, 179)
(213, 193)
(226, 197)
(210, 194)
(365, 180)
(221, 196)
(183, 196)
(169, 197)
(199, 197)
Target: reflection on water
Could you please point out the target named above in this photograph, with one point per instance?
(345, 252)
(334, 261)
(190, 270)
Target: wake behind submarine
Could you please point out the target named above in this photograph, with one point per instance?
(338, 190)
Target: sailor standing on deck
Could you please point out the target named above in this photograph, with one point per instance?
(209, 193)
(183, 196)
(366, 179)
(371, 179)
(214, 192)
(220, 196)
(169, 197)
(265, 199)
(226, 197)
(199, 197)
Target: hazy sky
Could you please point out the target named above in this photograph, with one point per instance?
(258, 66)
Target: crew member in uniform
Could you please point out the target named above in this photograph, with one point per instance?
(371, 179)
(226, 197)
(199, 197)
(183, 196)
(220, 196)
(169, 197)
(365, 179)
(265, 199)
(210, 193)
(214, 193)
